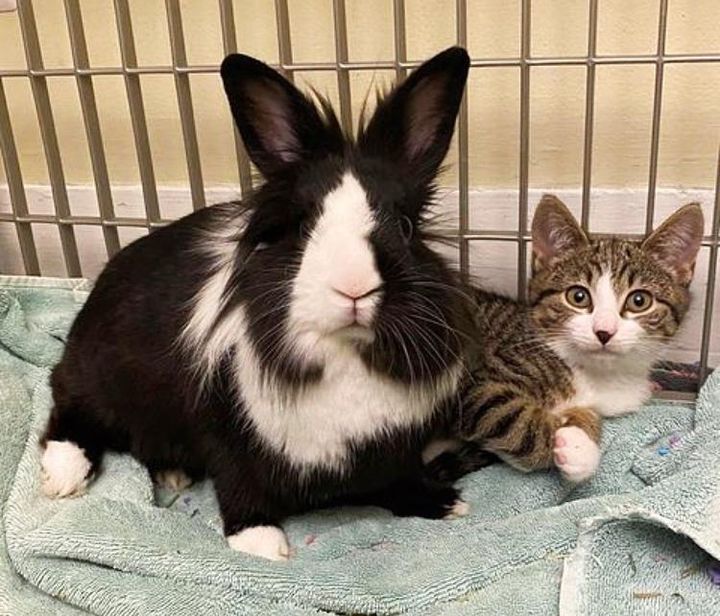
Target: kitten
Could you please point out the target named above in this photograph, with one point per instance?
(601, 311)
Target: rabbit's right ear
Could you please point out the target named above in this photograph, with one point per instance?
(413, 125)
(279, 125)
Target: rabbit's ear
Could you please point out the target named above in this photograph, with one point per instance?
(414, 123)
(279, 125)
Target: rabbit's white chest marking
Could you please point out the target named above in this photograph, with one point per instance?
(348, 406)
(337, 282)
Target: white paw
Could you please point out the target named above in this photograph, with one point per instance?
(576, 455)
(65, 470)
(459, 510)
(175, 480)
(266, 541)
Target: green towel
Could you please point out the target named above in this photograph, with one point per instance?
(637, 539)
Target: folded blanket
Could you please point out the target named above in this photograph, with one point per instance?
(637, 539)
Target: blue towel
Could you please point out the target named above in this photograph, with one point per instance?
(637, 539)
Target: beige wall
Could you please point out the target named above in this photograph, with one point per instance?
(690, 130)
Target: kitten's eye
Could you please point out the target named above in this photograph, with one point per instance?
(578, 297)
(638, 301)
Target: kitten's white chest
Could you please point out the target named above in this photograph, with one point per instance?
(612, 393)
(348, 406)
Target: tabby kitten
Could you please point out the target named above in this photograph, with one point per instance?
(600, 312)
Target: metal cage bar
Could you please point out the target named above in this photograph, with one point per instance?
(400, 64)
(185, 105)
(343, 67)
(524, 169)
(91, 120)
(470, 235)
(711, 280)
(46, 122)
(656, 117)
(227, 23)
(589, 115)
(341, 55)
(282, 17)
(17, 190)
(463, 150)
(133, 90)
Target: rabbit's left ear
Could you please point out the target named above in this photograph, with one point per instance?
(278, 123)
(414, 124)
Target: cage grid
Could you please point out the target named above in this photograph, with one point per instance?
(84, 73)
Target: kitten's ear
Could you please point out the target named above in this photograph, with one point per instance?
(675, 243)
(278, 123)
(554, 232)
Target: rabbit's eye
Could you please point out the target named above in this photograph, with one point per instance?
(406, 228)
(268, 237)
(272, 232)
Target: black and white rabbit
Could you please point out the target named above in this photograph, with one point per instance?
(297, 347)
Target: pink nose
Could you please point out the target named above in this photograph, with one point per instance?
(356, 292)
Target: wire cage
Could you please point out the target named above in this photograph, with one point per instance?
(22, 239)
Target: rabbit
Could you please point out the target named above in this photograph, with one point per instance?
(296, 347)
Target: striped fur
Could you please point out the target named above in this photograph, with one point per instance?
(542, 366)
(521, 390)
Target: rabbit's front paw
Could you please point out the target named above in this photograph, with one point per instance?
(65, 470)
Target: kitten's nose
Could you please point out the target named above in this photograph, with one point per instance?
(603, 336)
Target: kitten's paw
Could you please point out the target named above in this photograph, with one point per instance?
(265, 541)
(576, 455)
(175, 480)
(65, 470)
(459, 510)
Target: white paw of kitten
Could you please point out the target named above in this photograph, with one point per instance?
(459, 510)
(65, 470)
(175, 480)
(265, 541)
(576, 455)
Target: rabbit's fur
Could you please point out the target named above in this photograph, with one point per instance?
(298, 347)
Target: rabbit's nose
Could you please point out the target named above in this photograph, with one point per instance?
(356, 292)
